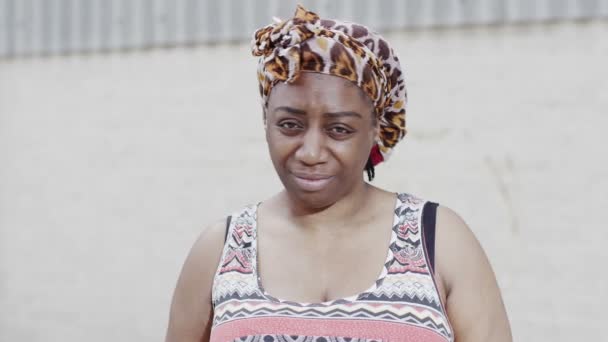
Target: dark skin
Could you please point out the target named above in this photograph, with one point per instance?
(324, 130)
(322, 125)
(329, 223)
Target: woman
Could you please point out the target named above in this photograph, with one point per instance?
(331, 257)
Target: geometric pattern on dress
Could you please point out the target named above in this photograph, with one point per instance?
(412, 287)
(235, 277)
(234, 286)
(404, 293)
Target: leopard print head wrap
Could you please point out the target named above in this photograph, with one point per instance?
(308, 43)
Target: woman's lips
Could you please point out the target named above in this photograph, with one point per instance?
(312, 182)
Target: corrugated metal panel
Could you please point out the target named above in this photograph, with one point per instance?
(6, 25)
(40, 27)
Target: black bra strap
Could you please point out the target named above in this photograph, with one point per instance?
(429, 216)
(227, 227)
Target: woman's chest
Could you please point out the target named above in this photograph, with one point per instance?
(304, 270)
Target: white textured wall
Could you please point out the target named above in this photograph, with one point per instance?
(110, 165)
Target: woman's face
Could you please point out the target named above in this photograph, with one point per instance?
(320, 130)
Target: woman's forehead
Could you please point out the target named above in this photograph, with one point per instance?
(321, 89)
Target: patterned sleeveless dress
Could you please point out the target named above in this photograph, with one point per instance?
(402, 305)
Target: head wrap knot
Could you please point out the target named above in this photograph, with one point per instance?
(286, 33)
(309, 43)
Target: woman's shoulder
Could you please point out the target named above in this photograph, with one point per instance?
(206, 250)
(218, 231)
(455, 243)
(191, 306)
(473, 294)
(456, 246)
(454, 236)
(453, 231)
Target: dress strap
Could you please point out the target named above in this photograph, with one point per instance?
(429, 216)
(235, 275)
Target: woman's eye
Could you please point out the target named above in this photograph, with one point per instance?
(290, 125)
(340, 130)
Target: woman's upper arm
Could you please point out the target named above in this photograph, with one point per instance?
(474, 303)
(191, 309)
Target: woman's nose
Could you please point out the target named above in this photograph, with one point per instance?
(311, 150)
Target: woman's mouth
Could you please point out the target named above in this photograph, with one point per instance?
(311, 182)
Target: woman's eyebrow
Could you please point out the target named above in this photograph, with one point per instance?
(296, 111)
(343, 114)
(290, 110)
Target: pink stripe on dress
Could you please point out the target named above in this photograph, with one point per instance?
(363, 329)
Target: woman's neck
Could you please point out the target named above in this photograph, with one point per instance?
(348, 206)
